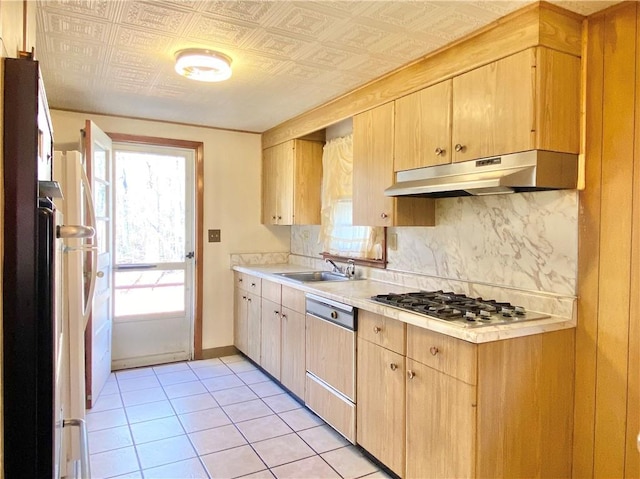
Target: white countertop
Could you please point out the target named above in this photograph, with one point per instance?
(358, 293)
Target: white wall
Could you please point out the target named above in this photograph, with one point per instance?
(232, 202)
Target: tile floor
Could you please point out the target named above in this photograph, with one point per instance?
(217, 418)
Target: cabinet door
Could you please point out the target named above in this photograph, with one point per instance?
(270, 341)
(423, 128)
(292, 367)
(441, 424)
(240, 320)
(254, 329)
(493, 108)
(284, 182)
(373, 166)
(307, 182)
(269, 190)
(381, 404)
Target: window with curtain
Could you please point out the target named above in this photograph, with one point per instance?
(337, 234)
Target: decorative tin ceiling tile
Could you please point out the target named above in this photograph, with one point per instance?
(219, 31)
(155, 17)
(254, 12)
(144, 41)
(76, 27)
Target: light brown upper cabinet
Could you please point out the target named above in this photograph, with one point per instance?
(423, 128)
(526, 101)
(291, 183)
(373, 150)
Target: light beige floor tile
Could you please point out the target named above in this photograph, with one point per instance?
(266, 389)
(106, 419)
(186, 404)
(310, 467)
(234, 395)
(147, 412)
(377, 475)
(114, 463)
(232, 359)
(241, 366)
(266, 474)
(111, 378)
(108, 439)
(247, 410)
(191, 468)
(106, 402)
(177, 377)
(135, 373)
(130, 475)
(204, 363)
(232, 462)
(222, 382)
(216, 439)
(282, 403)
(143, 396)
(300, 419)
(184, 389)
(323, 438)
(171, 368)
(110, 388)
(263, 428)
(165, 451)
(349, 462)
(205, 419)
(157, 429)
(213, 371)
(283, 449)
(252, 377)
(135, 384)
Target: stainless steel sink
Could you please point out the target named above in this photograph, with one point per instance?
(313, 276)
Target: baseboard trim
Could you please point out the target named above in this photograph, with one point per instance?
(219, 352)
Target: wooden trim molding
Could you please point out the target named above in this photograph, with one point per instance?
(537, 24)
(219, 352)
(198, 148)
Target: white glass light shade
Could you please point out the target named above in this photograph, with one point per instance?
(203, 65)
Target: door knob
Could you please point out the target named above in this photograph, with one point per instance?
(100, 274)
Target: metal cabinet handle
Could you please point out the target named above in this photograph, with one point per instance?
(459, 147)
(410, 374)
(100, 274)
(384, 215)
(376, 329)
(439, 152)
(393, 366)
(85, 467)
(334, 315)
(434, 350)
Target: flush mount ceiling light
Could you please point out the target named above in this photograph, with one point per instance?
(203, 65)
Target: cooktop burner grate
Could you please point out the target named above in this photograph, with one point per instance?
(458, 308)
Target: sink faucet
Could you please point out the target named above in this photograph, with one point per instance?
(350, 269)
(336, 268)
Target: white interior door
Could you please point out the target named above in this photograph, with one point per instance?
(154, 243)
(99, 158)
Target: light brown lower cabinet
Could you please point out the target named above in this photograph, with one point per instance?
(246, 322)
(271, 338)
(381, 404)
(292, 367)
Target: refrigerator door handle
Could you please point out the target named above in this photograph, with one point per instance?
(85, 468)
(75, 231)
(94, 251)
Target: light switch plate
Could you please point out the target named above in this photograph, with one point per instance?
(214, 236)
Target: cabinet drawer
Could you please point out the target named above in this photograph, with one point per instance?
(293, 299)
(452, 356)
(337, 411)
(386, 332)
(248, 283)
(271, 291)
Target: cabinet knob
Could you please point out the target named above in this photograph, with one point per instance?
(439, 152)
(279, 217)
(273, 217)
(244, 297)
(376, 329)
(239, 280)
(460, 147)
(410, 374)
(434, 350)
(253, 285)
(393, 366)
(334, 315)
(276, 313)
(249, 299)
(283, 316)
(384, 215)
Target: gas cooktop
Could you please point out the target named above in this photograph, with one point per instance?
(458, 308)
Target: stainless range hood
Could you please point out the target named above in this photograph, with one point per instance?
(533, 170)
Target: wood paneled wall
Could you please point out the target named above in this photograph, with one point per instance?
(607, 401)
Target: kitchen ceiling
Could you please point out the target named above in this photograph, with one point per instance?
(117, 57)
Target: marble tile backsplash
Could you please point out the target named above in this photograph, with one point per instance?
(526, 241)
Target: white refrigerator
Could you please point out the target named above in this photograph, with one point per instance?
(76, 287)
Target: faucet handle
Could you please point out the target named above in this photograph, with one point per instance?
(350, 269)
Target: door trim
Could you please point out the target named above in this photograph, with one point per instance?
(198, 147)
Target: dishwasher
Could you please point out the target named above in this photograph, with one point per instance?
(331, 363)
